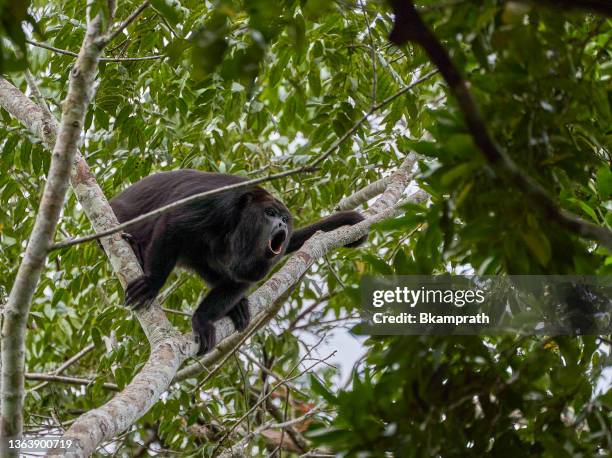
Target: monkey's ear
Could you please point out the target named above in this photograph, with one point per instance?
(256, 195)
(245, 199)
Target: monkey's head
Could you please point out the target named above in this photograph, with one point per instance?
(278, 228)
(261, 235)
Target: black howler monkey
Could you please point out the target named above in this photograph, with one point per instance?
(230, 239)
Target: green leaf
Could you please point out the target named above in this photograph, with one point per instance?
(604, 182)
(321, 390)
(539, 245)
(170, 9)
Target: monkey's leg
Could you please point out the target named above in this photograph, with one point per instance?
(240, 314)
(137, 248)
(159, 259)
(217, 304)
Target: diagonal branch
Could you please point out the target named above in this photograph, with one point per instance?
(102, 59)
(363, 195)
(409, 26)
(198, 197)
(124, 24)
(596, 6)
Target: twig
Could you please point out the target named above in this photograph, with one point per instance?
(38, 97)
(241, 419)
(324, 322)
(307, 311)
(372, 110)
(363, 195)
(74, 359)
(268, 426)
(271, 373)
(69, 380)
(131, 18)
(102, 59)
(372, 52)
(333, 272)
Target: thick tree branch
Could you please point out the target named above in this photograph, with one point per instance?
(169, 348)
(363, 195)
(596, 6)
(18, 304)
(409, 26)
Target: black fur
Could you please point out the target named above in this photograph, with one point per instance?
(230, 239)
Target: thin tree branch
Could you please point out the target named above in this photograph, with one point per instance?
(131, 18)
(66, 365)
(38, 97)
(177, 204)
(200, 196)
(20, 298)
(596, 6)
(69, 362)
(69, 380)
(102, 59)
(372, 110)
(372, 51)
(267, 395)
(271, 373)
(409, 26)
(307, 311)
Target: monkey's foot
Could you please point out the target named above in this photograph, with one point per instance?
(204, 332)
(140, 292)
(240, 314)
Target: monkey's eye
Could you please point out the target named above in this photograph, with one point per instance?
(270, 212)
(285, 219)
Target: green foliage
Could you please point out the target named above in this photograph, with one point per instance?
(472, 396)
(258, 87)
(12, 14)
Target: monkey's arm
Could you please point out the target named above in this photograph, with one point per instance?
(348, 218)
(160, 257)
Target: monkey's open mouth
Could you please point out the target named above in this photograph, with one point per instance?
(275, 244)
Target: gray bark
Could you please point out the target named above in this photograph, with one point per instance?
(18, 305)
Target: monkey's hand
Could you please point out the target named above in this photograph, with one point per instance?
(204, 331)
(141, 292)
